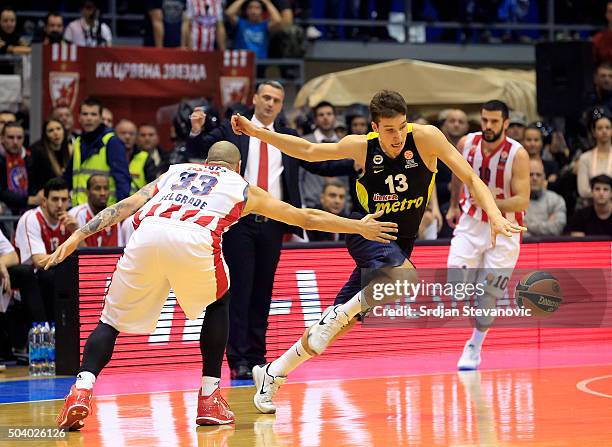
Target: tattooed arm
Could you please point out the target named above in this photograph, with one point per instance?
(104, 219)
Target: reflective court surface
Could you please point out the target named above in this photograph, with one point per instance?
(550, 406)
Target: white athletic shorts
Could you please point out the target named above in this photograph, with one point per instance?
(471, 248)
(160, 255)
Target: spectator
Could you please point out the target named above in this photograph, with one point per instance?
(108, 117)
(49, 155)
(40, 231)
(357, 116)
(312, 184)
(164, 23)
(517, 125)
(53, 31)
(602, 41)
(97, 199)
(340, 128)
(88, 31)
(602, 81)
(140, 165)
(204, 26)
(11, 41)
(97, 149)
(454, 124)
(6, 116)
(63, 114)
(15, 171)
(253, 32)
(148, 141)
(333, 200)
(533, 142)
(546, 214)
(598, 160)
(595, 220)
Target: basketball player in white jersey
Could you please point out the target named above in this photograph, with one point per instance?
(503, 165)
(180, 220)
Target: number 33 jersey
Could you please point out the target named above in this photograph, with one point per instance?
(399, 186)
(210, 196)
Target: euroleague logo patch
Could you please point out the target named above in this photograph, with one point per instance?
(408, 155)
(410, 163)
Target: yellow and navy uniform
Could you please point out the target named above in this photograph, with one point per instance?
(399, 186)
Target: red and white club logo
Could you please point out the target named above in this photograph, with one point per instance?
(409, 155)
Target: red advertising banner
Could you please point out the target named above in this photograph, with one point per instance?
(304, 286)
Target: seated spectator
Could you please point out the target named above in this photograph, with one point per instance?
(205, 30)
(253, 33)
(165, 22)
(598, 160)
(602, 82)
(97, 200)
(88, 31)
(454, 124)
(148, 141)
(63, 114)
(107, 117)
(40, 231)
(516, 126)
(595, 220)
(357, 119)
(6, 116)
(11, 41)
(53, 31)
(533, 142)
(141, 166)
(546, 214)
(602, 41)
(332, 200)
(312, 184)
(49, 155)
(15, 171)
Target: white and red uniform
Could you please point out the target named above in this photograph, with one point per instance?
(36, 236)
(204, 16)
(110, 237)
(471, 243)
(177, 244)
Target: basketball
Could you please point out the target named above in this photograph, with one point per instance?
(540, 292)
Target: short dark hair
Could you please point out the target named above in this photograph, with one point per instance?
(316, 108)
(88, 185)
(496, 105)
(55, 184)
(92, 102)
(604, 64)
(53, 14)
(601, 179)
(2, 112)
(271, 83)
(335, 183)
(11, 124)
(535, 127)
(147, 125)
(387, 104)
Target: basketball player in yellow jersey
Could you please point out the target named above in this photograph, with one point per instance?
(399, 160)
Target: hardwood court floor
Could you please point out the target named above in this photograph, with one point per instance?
(555, 406)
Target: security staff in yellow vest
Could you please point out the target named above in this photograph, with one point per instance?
(97, 151)
(141, 165)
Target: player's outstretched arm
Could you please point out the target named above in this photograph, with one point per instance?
(434, 141)
(104, 219)
(261, 202)
(351, 146)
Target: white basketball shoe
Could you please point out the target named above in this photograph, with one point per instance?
(266, 386)
(470, 359)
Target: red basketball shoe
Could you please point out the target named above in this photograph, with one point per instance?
(213, 409)
(77, 406)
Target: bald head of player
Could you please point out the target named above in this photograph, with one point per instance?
(224, 153)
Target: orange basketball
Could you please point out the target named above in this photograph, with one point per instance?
(540, 292)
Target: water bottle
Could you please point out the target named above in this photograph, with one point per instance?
(52, 350)
(32, 349)
(45, 332)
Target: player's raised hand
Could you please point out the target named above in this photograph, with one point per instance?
(62, 252)
(377, 231)
(241, 125)
(198, 117)
(501, 225)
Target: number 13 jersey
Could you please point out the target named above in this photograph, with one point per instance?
(399, 186)
(210, 196)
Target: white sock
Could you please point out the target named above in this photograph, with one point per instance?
(85, 380)
(209, 385)
(478, 337)
(353, 306)
(291, 359)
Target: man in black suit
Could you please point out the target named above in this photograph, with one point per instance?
(252, 247)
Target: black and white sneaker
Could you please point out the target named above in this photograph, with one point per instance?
(266, 387)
